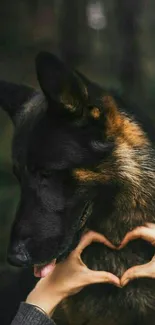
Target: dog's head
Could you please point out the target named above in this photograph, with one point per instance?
(58, 145)
(62, 157)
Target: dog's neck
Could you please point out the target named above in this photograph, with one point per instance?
(128, 200)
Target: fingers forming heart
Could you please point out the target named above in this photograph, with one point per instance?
(140, 271)
(147, 270)
(147, 233)
(96, 276)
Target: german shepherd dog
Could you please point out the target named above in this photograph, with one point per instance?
(83, 163)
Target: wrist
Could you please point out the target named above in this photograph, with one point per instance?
(46, 303)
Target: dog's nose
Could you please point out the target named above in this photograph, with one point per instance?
(18, 254)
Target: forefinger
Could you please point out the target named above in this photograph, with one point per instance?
(146, 233)
(90, 237)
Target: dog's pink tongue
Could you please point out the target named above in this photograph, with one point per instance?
(42, 271)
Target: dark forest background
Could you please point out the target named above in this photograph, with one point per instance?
(110, 41)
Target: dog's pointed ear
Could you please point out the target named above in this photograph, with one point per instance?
(59, 83)
(13, 96)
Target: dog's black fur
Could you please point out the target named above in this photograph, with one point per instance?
(82, 163)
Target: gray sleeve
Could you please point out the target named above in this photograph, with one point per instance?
(29, 315)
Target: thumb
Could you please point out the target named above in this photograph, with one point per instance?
(140, 271)
(103, 277)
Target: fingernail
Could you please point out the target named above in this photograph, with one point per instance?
(118, 285)
(118, 246)
(125, 282)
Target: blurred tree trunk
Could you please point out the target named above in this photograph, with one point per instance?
(33, 6)
(128, 13)
(69, 31)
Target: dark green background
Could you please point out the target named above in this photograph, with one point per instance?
(121, 55)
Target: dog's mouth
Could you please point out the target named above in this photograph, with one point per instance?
(43, 269)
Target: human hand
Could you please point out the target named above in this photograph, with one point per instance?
(141, 271)
(69, 277)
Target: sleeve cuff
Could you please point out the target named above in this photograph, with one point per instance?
(28, 314)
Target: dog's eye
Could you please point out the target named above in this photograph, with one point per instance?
(45, 173)
(34, 170)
